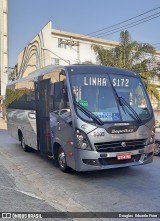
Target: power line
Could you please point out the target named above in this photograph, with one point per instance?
(121, 22)
(124, 21)
(130, 25)
(144, 20)
(45, 49)
(150, 69)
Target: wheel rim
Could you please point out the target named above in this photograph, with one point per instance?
(62, 160)
(157, 149)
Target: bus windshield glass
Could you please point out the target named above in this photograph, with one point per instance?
(102, 95)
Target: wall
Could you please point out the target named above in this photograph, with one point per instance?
(46, 48)
(76, 48)
(36, 54)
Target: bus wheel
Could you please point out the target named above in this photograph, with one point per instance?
(157, 148)
(23, 145)
(62, 160)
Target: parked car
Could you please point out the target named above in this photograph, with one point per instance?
(157, 147)
(157, 124)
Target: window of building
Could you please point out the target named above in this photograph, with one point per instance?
(61, 44)
(55, 61)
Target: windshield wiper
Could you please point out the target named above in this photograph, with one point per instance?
(88, 113)
(130, 108)
(123, 103)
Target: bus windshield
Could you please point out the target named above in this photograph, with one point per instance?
(110, 97)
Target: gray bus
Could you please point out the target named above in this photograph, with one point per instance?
(86, 117)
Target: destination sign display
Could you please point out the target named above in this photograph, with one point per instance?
(120, 82)
(95, 81)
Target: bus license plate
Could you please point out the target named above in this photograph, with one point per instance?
(124, 156)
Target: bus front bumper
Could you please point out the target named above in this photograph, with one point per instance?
(93, 160)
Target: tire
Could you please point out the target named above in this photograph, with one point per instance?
(157, 148)
(61, 158)
(23, 145)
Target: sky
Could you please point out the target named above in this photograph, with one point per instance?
(27, 17)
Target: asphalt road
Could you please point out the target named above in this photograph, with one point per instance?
(31, 183)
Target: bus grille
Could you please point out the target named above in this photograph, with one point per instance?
(117, 146)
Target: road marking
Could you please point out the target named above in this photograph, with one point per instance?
(23, 192)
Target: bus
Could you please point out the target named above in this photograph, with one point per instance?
(86, 117)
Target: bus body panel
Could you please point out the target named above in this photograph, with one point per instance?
(19, 121)
(63, 134)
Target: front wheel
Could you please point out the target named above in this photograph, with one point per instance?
(62, 160)
(157, 148)
(23, 145)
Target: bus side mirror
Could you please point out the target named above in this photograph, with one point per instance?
(32, 115)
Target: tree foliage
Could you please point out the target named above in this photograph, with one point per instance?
(130, 55)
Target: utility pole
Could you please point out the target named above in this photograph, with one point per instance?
(72, 43)
(3, 45)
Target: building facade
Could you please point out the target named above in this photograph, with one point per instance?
(57, 47)
(3, 45)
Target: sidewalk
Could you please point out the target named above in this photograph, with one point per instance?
(3, 124)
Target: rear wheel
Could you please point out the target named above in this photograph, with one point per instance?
(62, 160)
(157, 148)
(23, 145)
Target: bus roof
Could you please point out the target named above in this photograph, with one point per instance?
(100, 69)
(77, 69)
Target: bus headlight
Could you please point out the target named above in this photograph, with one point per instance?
(151, 139)
(82, 140)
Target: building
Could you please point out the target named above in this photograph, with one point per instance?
(3, 45)
(57, 47)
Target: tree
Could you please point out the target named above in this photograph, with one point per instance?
(130, 55)
(87, 62)
(13, 73)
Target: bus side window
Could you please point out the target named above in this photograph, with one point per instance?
(60, 96)
(64, 99)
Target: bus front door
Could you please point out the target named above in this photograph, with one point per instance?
(42, 93)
